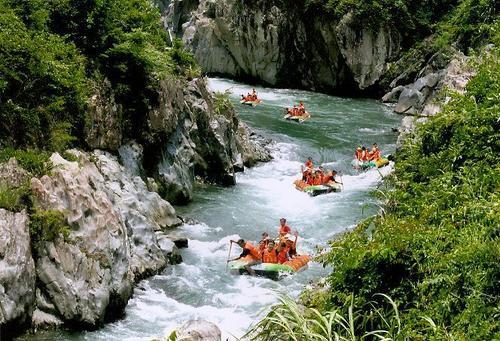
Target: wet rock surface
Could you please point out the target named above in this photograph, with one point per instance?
(17, 272)
(198, 330)
(271, 41)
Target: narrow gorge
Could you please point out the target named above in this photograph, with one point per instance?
(129, 168)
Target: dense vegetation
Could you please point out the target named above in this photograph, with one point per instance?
(54, 54)
(435, 249)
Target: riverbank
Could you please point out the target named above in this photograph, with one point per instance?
(433, 249)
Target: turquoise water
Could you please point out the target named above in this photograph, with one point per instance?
(200, 287)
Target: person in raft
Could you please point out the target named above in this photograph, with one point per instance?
(292, 244)
(248, 249)
(284, 228)
(270, 254)
(307, 167)
(375, 154)
(264, 241)
(329, 178)
(301, 109)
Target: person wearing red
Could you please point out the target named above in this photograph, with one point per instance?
(318, 179)
(284, 228)
(358, 154)
(309, 163)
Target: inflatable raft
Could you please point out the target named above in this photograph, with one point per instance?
(252, 103)
(270, 270)
(318, 189)
(299, 119)
(370, 164)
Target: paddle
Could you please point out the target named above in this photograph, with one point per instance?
(229, 253)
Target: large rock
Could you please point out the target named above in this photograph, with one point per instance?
(198, 330)
(366, 50)
(12, 174)
(87, 278)
(408, 101)
(103, 127)
(198, 140)
(274, 42)
(17, 272)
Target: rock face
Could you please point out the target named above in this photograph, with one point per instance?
(17, 271)
(183, 136)
(274, 42)
(430, 90)
(87, 278)
(198, 140)
(198, 330)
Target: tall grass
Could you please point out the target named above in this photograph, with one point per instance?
(290, 321)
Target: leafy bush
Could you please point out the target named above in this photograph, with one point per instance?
(34, 161)
(436, 248)
(50, 51)
(222, 103)
(42, 82)
(47, 226)
(11, 198)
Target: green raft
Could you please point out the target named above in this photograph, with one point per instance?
(370, 164)
(322, 189)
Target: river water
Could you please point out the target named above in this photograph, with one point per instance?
(200, 287)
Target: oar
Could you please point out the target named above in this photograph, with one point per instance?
(229, 253)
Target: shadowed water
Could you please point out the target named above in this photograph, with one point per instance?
(200, 287)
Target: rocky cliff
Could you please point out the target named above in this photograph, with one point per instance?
(85, 277)
(272, 41)
(183, 136)
(430, 90)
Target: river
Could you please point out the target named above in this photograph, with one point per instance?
(200, 287)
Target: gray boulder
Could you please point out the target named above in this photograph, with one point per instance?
(198, 330)
(17, 272)
(393, 95)
(408, 101)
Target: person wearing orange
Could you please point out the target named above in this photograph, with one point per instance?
(248, 249)
(264, 241)
(330, 177)
(292, 245)
(358, 153)
(301, 109)
(270, 255)
(364, 154)
(317, 179)
(282, 252)
(375, 153)
(309, 178)
(284, 228)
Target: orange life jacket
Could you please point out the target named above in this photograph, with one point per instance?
(317, 180)
(375, 155)
(365, 155)
(253, 251)
(283, 255)
(309, 164)
(269, 256)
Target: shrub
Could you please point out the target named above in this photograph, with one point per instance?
(47, 226)
(11, 198)
(436, 247)
(34, 161)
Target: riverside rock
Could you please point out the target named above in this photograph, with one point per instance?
(272, 41)
(17, 272)
(87, 278)
(199, 139)
(198, 330)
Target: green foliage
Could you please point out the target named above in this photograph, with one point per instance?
(42, 81)
(47, 226)
(222, 103)
(50, 51)
(289, 321)
(11, 198)
(437, 246)
(34, 161)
